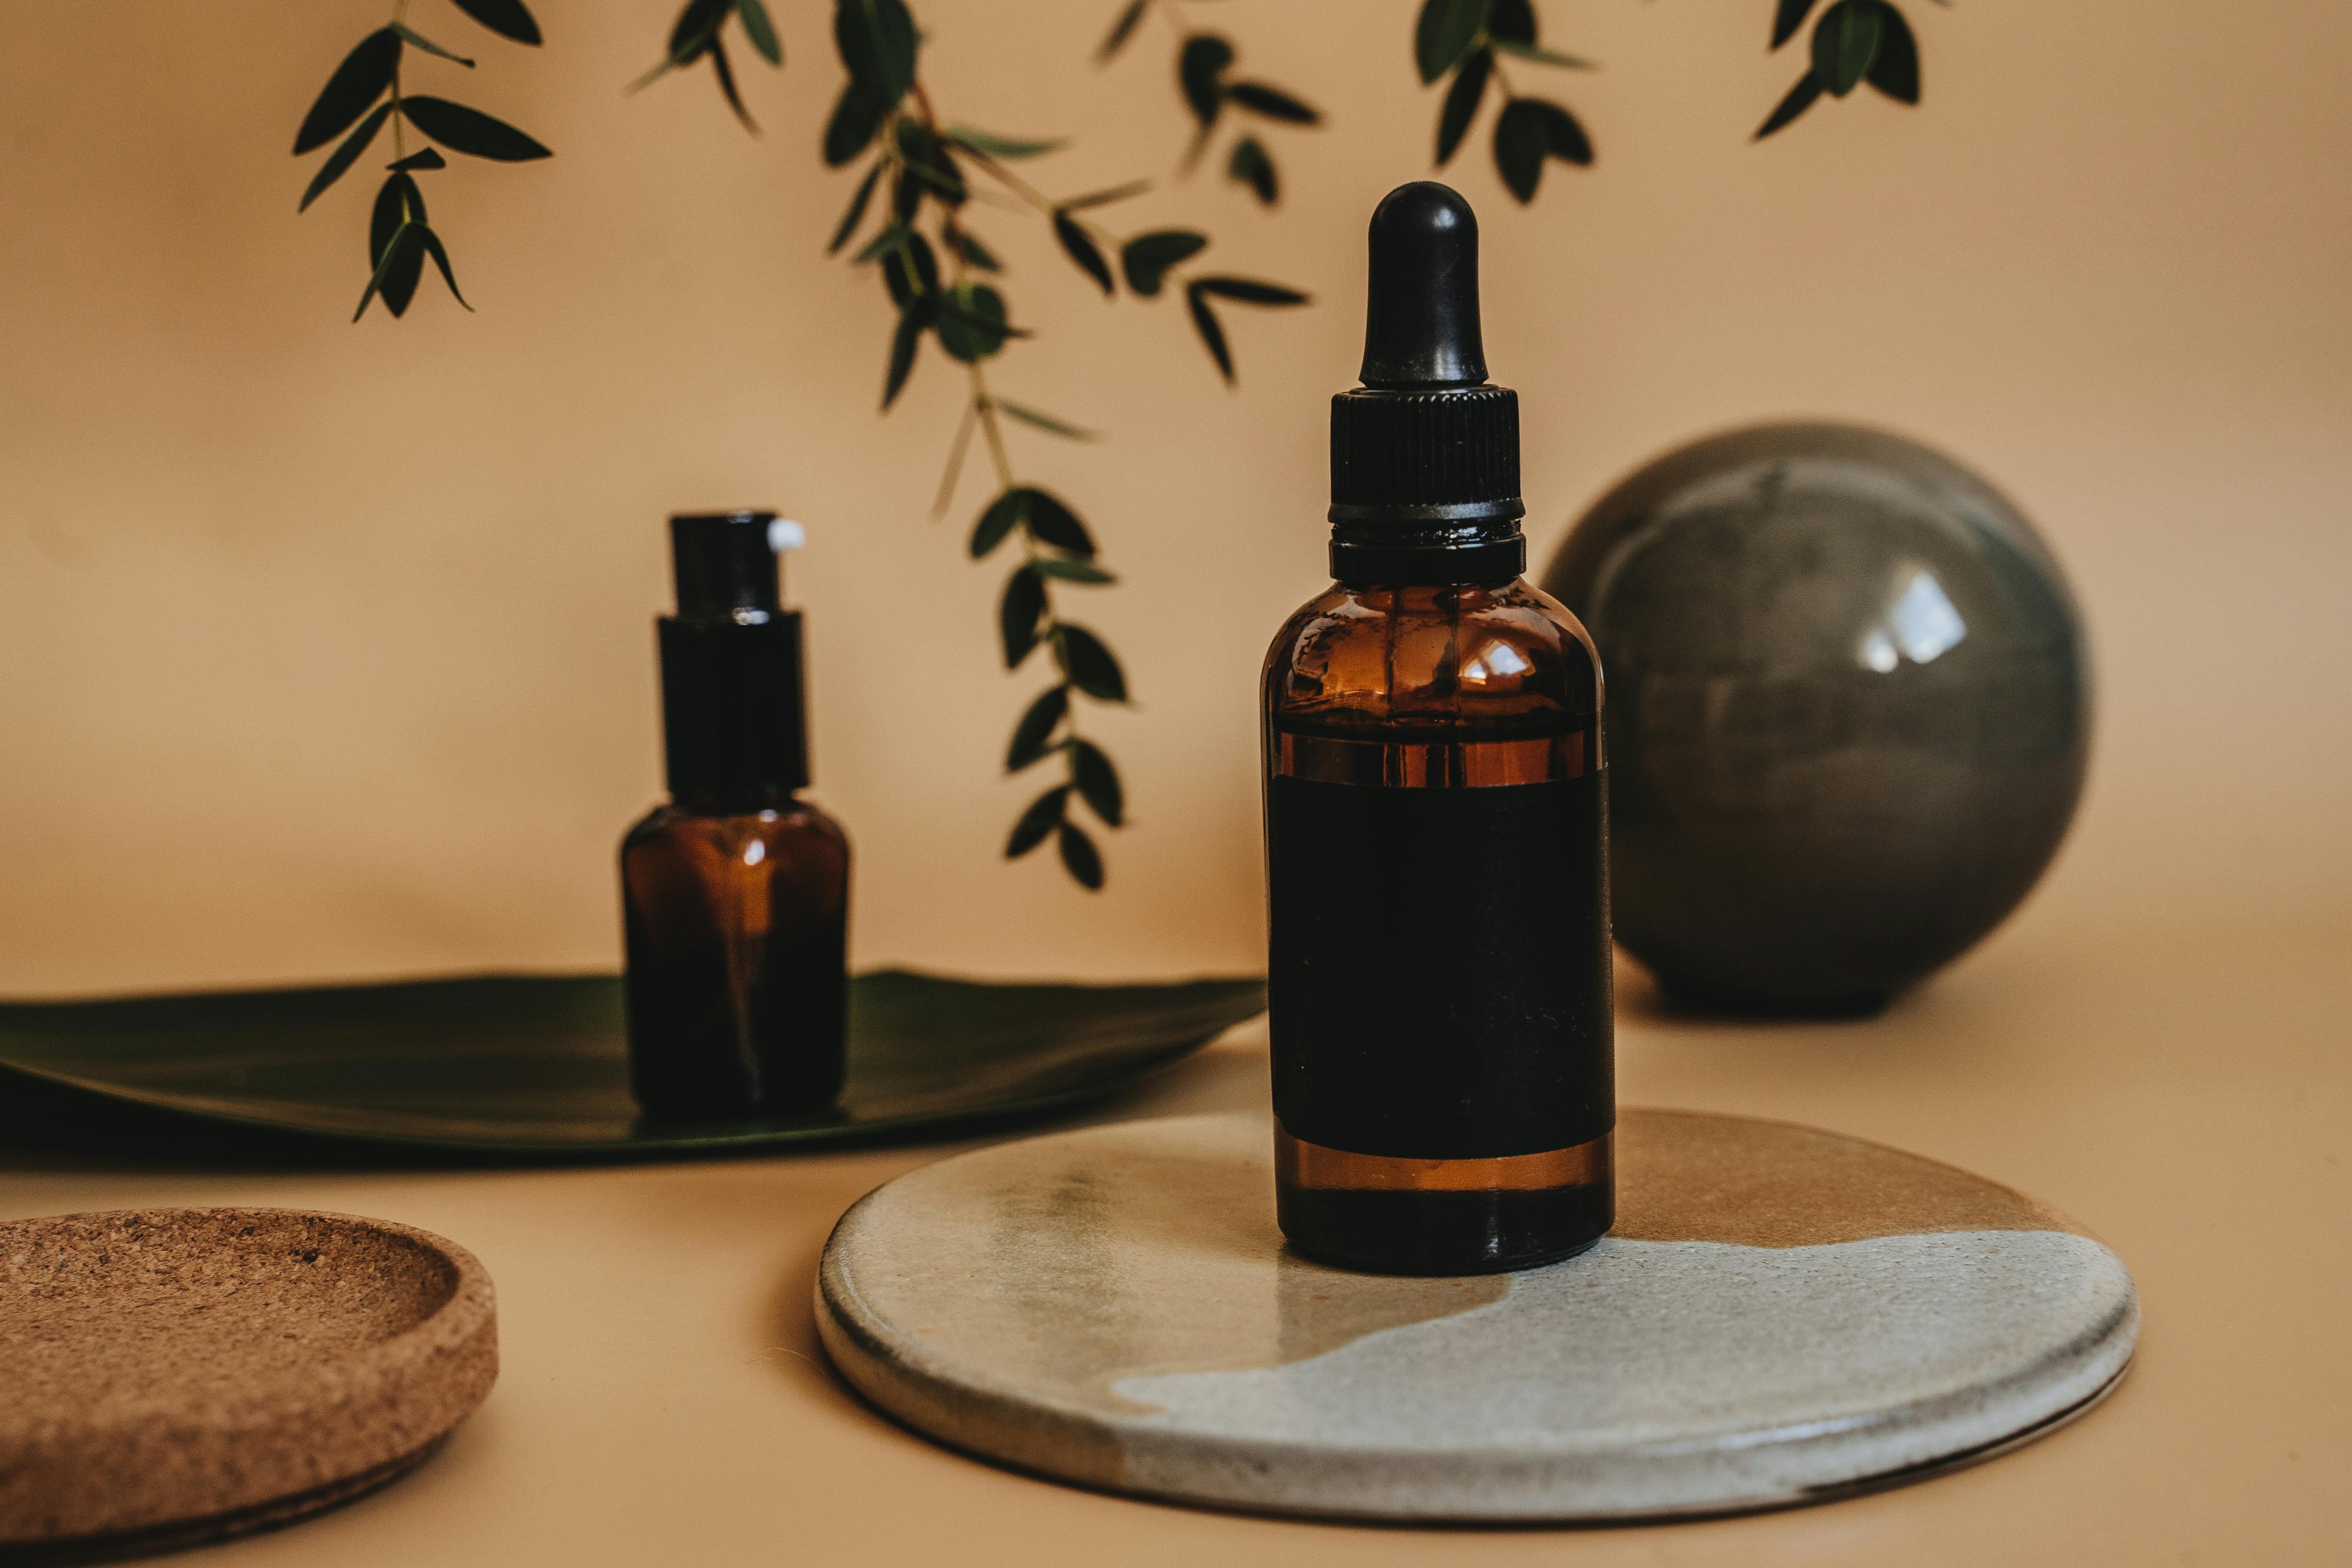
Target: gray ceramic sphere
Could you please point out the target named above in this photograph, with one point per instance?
(1848, 711)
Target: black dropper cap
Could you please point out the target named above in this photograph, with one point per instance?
(733, 723)
(1425, 454)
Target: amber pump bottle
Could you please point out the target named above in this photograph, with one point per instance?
(1436, 823)
(735, 895)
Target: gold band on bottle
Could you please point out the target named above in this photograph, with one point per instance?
(1300, 1163)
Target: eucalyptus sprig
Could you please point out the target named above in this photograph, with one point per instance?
(1463, 38)
(1204, 60)
(698, 34)
(1855, 41)
(362, 97)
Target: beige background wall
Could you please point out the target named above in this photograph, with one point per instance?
(324, 650)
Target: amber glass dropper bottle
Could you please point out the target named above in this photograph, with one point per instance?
(735, 894)
(1436, 823)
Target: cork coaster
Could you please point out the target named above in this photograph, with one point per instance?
(1780, 1316)
(172, 1376)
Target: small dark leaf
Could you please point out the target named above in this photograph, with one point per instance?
(1213, 335)
(1895, 71)
(1033, 737)
(402, 257)
(727, 88)
(398, 201)
(1097, 781)
(1081, 248)
(357, 83)
(1787, 18)
(1511, 22)
(1001, 146)
(903, 339)
(855, 119)
(1846, 42)
(346, 155)
(1089, 664)
(508, 18)
(761, 30)
(1079, 857)
(1564, 139)
(1103, 198)
(927, 163)
(1200, 72)
(1249, 292)
(696, 25)
(1272, 103)
(974, 253)
(1082, 572)
(469, 131)
(415, 39)
(892, 237)
(856, 212)
(431, 242)
(1017, 616)
(430, 158)
(1447, 30)
(1250, 166)
(1003, 514)
(394, 243)
(909, 269)
(1122, 30)
(1520, 143)
(1801, 98)
(1045, 422)
(1146, 258)
(971, 323)
(1050, 520)
(877, 39)
(906, 196)
(1043, 815)
(1461, 101)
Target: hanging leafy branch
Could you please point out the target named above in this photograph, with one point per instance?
(363, 97)
(698, 34)
(1463, 38)
(1855, 41)
(1203, 62)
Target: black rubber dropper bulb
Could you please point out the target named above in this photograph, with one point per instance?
(1425, 454)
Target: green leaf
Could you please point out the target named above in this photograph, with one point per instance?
(1801, 98)
(1895, 71)
(508, 18)
(1529, 131)
(1461, 101)
(1249, 292)
(418, 41)
(856, 117)
(903, 342)
(403, 258)
(345, 155)
(924, 158)
(1082, 571)
(1033, 737)
(909, 269)
(1249, 165)
(1846, 42)
(1787, 18)
(1003, 146)
(1097, 782)
(971, 323)
(394, 244)
(1446, 32)
(1044, 814)
(469, 131)
(357, 83)
(1050, 520)
(1542, 56)
(1089, 664)
(1146, 258)
(727, 87)
(892, 237)
(430, 158)
(1081, 248)
(1272, 103)
(1122, 30)
(1079, 857)
(1200, 72)
(761, 30)
(877, 39)
(696, 25)
(1003, 515)
(1564, 139)
(1017, 616)
(431, 243)
(855, 214)
(1511, 22)
(1212, 334)
(1104, 198)
(974, 253)
(1045, 422)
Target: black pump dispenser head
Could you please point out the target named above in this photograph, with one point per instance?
(733, 723)
(1425, 454)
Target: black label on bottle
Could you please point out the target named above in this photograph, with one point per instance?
(1439, 969)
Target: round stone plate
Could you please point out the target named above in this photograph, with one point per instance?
(1781, 1316)
(170, 1377)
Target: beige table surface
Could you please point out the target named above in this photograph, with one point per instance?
(2178, 1082)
